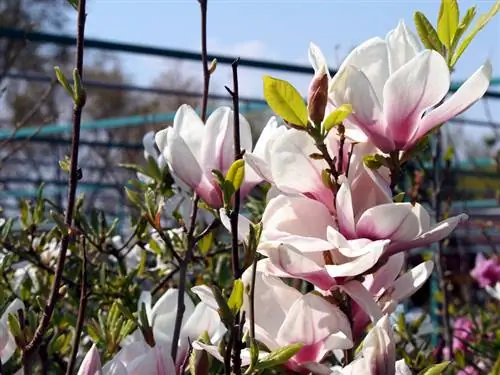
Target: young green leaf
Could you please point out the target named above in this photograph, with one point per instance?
(481, 22)
(448, 21)
(278, 356)
(436, 369)
(78, 91)
(61, 78)
(337, 117)
(236, 174)
(427, 33)
(236, 298)
(285, 101)
(462, 27)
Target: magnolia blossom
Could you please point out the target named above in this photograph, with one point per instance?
(388, 288)
(407, 226)
(193, 150)
(285, 316)
(7, 342)
(391, 85)
(161, 318)
(288, 156)
(139, 361)
(378, 355)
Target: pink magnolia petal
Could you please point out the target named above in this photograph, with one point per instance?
(345, 210)
(370, 57)
(290, 159)
(353, 87)
(385, 275)
(317, 60)
(471, 91)
(419, 84)
(436, 233)
(363, 298)
(312, 320)
(91, 364)
(308, 266)
(395, 221)
(360, 264)
(379, 348)
(411, 281)
(300, 216)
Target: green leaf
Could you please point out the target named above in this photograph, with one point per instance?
(14, 325)
(462, 27)
(78, 90)
(236, 174)
(337, 117)
(436, 369)
(481, 22)
(427, 33)
(73, 3)
(205, 243)
(224, 310)
(61, 78)
(448, 21)
(285, 101)
(236, 298)
(278, 356)
(398, 198)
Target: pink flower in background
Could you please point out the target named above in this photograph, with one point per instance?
(486, 271)
(392, 85)
(462, 332)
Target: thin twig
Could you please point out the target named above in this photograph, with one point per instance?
(164, 281)
(235, 211)
(81, 311)
(35, 342)
(194, 211)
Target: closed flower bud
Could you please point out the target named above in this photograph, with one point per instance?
(318, 97)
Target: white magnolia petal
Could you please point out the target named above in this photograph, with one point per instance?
(91, 364)
(402, 45)
(206, 296)
(243, 225)
(183, 162)
(188, 125)
(317, 60)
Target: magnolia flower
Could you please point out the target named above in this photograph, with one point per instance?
(318, 62)
(7, 342)
(388, 288)
(151, 151)
(289, 156)
(193, 150)
(378, 355)
(407, 226)
(161, 318)
(285, 316)
(391, 85)
(486, 271)
(259, 159)
(91, 364)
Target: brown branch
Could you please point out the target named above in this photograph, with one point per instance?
(236, 342)
(194, 211)
(74, 176)
(81, 311)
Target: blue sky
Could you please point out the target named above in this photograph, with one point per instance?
(273, 30)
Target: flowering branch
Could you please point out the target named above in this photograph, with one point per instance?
(74, 176)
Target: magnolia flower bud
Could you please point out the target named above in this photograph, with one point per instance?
(318, 97)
